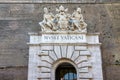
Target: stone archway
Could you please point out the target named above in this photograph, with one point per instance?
(49, 49)
(63, 63)
(45, 58)
(65, 71)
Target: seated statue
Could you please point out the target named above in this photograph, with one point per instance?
(47, 24)
(77, 21)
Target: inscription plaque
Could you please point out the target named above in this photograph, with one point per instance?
(63, 38)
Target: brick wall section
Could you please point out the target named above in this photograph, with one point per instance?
(13, 73)
(113, 72)
(16, 20)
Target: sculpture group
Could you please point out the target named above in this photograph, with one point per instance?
(63, 21)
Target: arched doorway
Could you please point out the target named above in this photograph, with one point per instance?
(65, 71)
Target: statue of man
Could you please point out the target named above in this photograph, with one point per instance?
(62, 18)
(47, 23)
(77, 20)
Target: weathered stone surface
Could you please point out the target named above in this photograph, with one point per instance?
(16, 73)
(84, 79)
(81, 59)
(44, 64)
(86, 76)
(44, 70)
(16, 20)
(58, 1)
(112, 72)
(82, 53)
(58, 51)
(64, 51)
(46, 58)
(70, 51)
(85, 64)
(84, 70)
(45, 75)
(75, 55)
(80, 48)
(47, 48)
(53, 55)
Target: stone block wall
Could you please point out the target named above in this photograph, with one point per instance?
(22, 16)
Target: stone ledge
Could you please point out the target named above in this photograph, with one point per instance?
(61, 32)
(56, 32)
(42, 66)
(44, 53)
(73, 44)
(9, 67)
(44, 78)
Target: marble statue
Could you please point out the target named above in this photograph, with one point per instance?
(63, 21)
(47, 23)
(77, 20)
(62, 18)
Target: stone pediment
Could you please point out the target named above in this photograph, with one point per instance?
(63, 21)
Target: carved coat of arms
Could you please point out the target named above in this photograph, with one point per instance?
(63, 21)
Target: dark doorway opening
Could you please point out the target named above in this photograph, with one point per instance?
(65, 71)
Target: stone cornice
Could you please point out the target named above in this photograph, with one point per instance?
(66, 32)
(74, 44)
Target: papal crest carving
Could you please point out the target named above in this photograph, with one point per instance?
(63, 21)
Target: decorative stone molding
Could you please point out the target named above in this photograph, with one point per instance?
(81, 54)
(54, 46)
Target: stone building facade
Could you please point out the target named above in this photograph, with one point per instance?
(18, 17)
